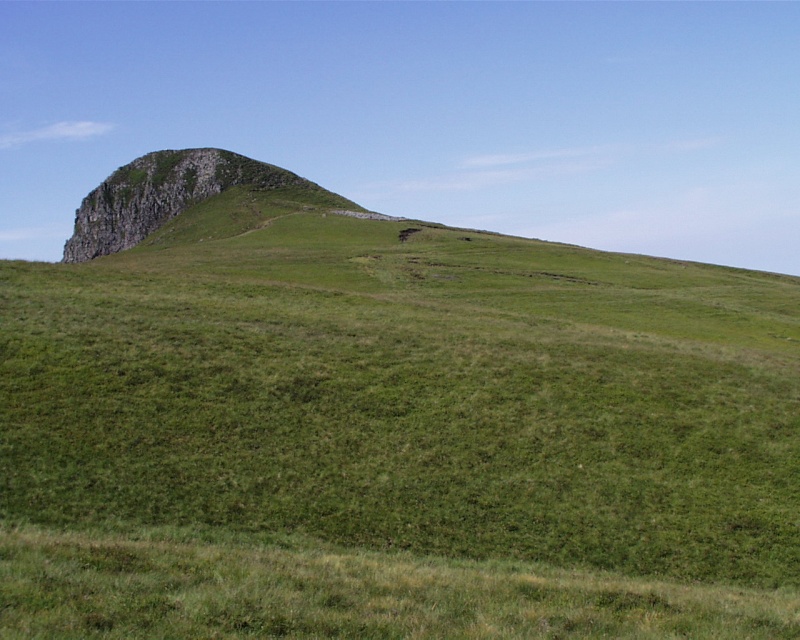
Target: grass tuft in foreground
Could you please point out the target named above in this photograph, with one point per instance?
(156, 583)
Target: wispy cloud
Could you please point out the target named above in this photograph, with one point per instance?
(484, 171)
(694, 144)
(501, 159)
(67, 130)
(471, 180)
(490, 170)
(589, 156)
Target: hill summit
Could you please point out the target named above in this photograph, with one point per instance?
(140, 197)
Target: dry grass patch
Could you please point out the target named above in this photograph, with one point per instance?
(62, 585)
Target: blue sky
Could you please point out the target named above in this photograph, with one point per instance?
(669, 129)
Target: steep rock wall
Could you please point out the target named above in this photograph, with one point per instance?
(141, 196)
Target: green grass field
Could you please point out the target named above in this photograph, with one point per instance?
(267, 408)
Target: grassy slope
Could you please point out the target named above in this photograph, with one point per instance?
(460, 394)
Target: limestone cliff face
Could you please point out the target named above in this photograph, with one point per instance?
(141, 196)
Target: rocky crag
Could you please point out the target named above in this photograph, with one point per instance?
(141, 196)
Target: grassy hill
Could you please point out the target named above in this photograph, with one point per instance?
(264, 383)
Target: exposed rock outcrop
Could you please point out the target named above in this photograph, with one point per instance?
(141, 196)
(367, 215)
